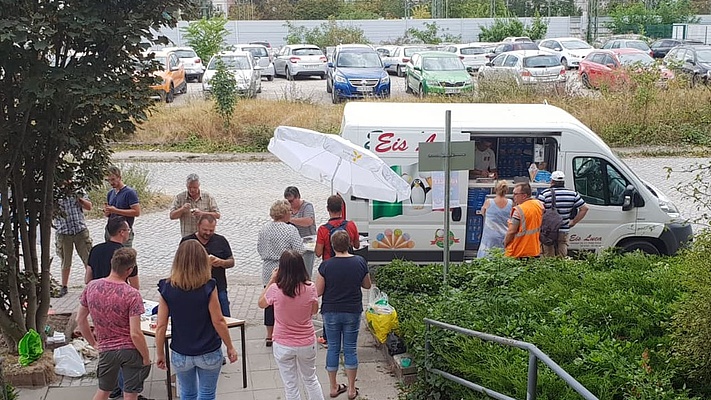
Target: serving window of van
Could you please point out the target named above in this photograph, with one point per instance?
(598, 182)
(513, 157)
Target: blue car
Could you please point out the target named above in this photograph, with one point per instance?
(356, 72)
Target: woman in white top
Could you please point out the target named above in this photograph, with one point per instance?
(496, 213)
(274, 238)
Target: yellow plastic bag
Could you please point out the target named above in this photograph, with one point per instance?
(381, 324)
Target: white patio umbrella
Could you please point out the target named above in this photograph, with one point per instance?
(334, 161)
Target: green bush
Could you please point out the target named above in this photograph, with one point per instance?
(224, 92)
(605, 320)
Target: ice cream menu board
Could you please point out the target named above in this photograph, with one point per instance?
(514, 156)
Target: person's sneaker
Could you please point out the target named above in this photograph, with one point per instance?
(63, 292)
(141, 397)
(116, 393)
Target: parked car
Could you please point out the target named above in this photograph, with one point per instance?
(437, 72)
(300, 60)
(244, 68)
(193, 65)
(473, 55)
(400, 56)
(661, 47)
(261, 57)
(601, 40)
(511, 46)
(570, 51)
(356, 72)
(385, 51)
(171, 74)
(692, 60)
(527, 67)
(628, 44)
(611, 67)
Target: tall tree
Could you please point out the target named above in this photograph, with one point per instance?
(71, 80)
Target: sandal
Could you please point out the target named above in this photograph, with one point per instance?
(268, 342)
(354, 396)
(339, 391)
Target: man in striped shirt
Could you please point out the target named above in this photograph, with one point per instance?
(566, 201)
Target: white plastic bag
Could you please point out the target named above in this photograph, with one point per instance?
(378, 302)
(68, 362)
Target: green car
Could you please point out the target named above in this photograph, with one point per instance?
(437, 72)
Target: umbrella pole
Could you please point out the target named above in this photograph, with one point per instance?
(340, 160)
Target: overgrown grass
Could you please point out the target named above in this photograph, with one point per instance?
(137, 178)
(643, 115)
(606, 320)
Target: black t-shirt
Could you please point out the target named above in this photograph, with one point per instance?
(100, 259)
(218, 247)
(343, 277)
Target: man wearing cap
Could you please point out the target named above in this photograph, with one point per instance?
(190, 205)
(484, 160)
(566, 202)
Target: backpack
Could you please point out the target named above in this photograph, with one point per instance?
(332, 229)
(552, 222)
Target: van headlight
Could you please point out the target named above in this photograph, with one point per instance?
(339, 79)
(385, 79)
(669, 208)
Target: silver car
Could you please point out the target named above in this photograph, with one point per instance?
(300, 60)
(525, 67)
(473, 55)
(194, 67)
(241, 64)
(400, 56)
(261, 56)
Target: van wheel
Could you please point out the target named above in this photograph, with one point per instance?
(641, 245)
(586, 80)
(329, 89)
(170, 96)
(400, 73)
(421, 92)
(334, 97)
(564, 63)
(288, 74)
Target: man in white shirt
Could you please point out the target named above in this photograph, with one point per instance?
(484, 160)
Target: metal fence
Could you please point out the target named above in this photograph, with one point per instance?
(534, 355)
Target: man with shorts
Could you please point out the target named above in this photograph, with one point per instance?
(115, 308)
(72, 233)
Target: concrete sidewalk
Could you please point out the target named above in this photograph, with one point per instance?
(375, 380)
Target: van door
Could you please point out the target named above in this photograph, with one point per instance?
(602, 186)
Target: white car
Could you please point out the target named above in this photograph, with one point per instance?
(261, 56)
(525, 67)
(570, 51)
(473, 55)
(194, 67)
(300, 60)
(400, 56)
(241, 64)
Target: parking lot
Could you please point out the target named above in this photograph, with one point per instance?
(313, 89)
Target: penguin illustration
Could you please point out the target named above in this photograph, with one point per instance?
(418, 193)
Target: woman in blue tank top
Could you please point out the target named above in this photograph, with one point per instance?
(198, 328)
(497, 212)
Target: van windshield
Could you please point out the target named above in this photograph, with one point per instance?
(359, 60)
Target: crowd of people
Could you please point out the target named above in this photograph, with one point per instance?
(193, 299)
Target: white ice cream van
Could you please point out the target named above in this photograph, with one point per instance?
(624, 211)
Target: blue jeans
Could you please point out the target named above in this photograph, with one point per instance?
(342, 331)
(197, 375)
(224, 302)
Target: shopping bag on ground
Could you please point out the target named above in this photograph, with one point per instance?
(30, 348)
(68, 362)
(380, 316)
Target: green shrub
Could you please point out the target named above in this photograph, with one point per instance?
(224, 91)
(604, 319)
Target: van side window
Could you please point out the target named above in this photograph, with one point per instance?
(598, 182)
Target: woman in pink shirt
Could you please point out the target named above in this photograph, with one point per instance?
(295, 301)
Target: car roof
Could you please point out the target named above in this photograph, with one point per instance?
(313, 46)
(695, 46)
(158, 53)
(233, 53)
(434, 53)
(177, 48)
(528, 53)
(564, 38)
(250, 45)
(625, 50)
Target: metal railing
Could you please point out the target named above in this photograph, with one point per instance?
(534, 354)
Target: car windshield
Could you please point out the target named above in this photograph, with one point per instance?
(162, 60)
(408, 51)
(307, 52)
(256, 51)
(231, 62)
(442, 64)
(638, 45)
(638, 58)
(359, 60)
(703, 56)
(185, 54)
(525, 46)
(575, 44)
(541, 61)
(470, 51)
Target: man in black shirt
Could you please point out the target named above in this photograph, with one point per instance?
(99, 264)
(220, 256)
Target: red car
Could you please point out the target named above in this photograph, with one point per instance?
(611, 68)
